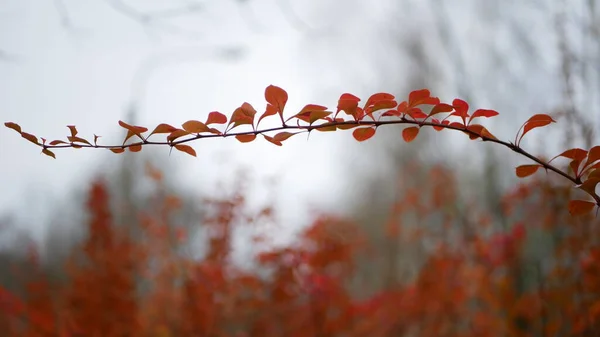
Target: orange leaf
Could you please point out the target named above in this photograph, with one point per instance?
(163, 128)
(283, 136)
(216, 117)
(135, 148)
(48, 153)
(527, 170)
(246, 138)
(73, 139)
(276, 97)
(186, 148)
(580, 207)
(133, 130)
(363, 134)
(243, 115)
(312, 116)
(409, 134)
(13, 126)
(194, 126)
(176, 134)
(270, 111)
(117, 149)
(272, 140)
(73, 130)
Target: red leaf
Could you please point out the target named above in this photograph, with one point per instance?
(56, 142)
(483, 113)
(593, 155)
(246, 138)
(135, 148)
(375, 98)
(409, 134)
(363, 134)
(73, 130)
(186, 148)
(216, 117)
(441, 108)
(348, 103)
(117, 149)
(580, 207)
(48, 153)
(535, 121)
(416, 113)
(13, 126)
(423, 96)
(590, 184)
(438, 128)
(74, 139)
(276, 97)
(461, 109)
(527, 170)
(30, 137)
(311, 116)
(575, 154)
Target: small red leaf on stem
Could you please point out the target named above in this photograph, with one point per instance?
(483, 113)
(13, 126)
(73, 130)
(533, 122)
(216, 117)
(580, 207)
(409, 134)
(117, 149)
(135, 148)
(270, 111)
(441, 108)
(186, 148)
(48, 153)
(276, 97)
(527, 170)
(246, 138)
(362, 134)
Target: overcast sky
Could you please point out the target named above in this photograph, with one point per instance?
(74, 62)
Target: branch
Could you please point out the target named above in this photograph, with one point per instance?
(584, 164)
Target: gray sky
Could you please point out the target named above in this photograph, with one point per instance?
(82, 74)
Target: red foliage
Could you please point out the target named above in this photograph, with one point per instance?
(125, 284)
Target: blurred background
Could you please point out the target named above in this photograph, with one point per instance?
(401, 209)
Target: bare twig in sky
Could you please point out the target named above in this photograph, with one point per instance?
(159, 19)
(176, 56)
